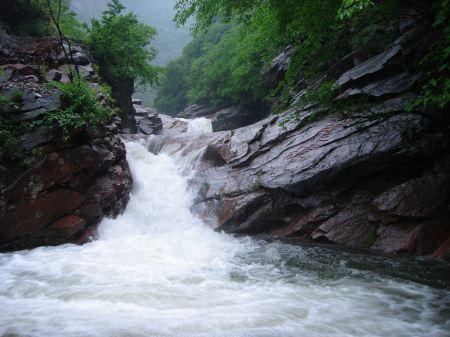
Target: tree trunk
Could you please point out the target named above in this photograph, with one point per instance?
(122, 91)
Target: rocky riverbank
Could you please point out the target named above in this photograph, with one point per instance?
(68, 185)
(378, 178)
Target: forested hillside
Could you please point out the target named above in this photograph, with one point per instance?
(235, 41)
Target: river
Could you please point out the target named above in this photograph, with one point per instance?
(157, 270)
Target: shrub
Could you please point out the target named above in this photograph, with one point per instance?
(17, 97)
(10, 150)
(81, 108)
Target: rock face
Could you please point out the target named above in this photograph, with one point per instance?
(377, 179)
(278, 68)
(74, 183)
(148, 120)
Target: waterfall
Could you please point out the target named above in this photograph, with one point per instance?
(157, 270)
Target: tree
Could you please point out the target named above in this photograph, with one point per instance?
(120, 44)
(55, 15)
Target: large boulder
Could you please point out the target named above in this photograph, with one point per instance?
(65, 195)
(148, 120)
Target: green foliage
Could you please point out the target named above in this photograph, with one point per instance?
(436, 63)
(10, 150)
(121, 46)
(16, 97)
(32, 17)
(173, 85)
(372, 238)
(228, 71)
(171, 97)
(350, 8)
(80, 108)
(70, 26)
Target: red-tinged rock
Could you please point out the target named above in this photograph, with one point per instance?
(419, 197)
(306, 222)
(443, 249)
(55, 168)
(90, 212)
(89, 234)
(29, 217)
(349, 227)
(67, 227)
(398, 239)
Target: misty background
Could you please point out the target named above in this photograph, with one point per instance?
(170, 40)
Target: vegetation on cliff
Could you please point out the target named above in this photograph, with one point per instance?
(227, 68)
(119, 44)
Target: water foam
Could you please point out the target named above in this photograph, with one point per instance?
(158, 271)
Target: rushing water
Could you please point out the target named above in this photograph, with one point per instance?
(158, 271)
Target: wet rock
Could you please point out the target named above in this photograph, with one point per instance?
(443, 250)
(197, 110)
(29, 217)
(419, 197)
(398, 238)
(148, 120)
(67, 227)
(278, 68)
(235, 117)
(306, 222)
(73, 183)
(36, 136)
(371, 66)
(338, 180)
(396, 84)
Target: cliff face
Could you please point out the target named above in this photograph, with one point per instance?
(72, 183)
(377, 178)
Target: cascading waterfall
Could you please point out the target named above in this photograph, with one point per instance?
(157, 270)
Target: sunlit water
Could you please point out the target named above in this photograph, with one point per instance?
(158, 271)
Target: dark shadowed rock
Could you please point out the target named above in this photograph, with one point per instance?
(396, 84)
(419, 197)
(371, 66)
(278, 68)
(197, 110)
(236, 117)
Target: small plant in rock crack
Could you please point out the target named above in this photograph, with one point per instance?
(258, 183)
(17, 98)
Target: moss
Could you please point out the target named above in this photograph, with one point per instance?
(10, 150)
(372, 238)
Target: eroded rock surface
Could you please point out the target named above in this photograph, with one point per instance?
(74, 183)
(378, 177)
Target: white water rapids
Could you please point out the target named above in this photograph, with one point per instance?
(157, 270)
